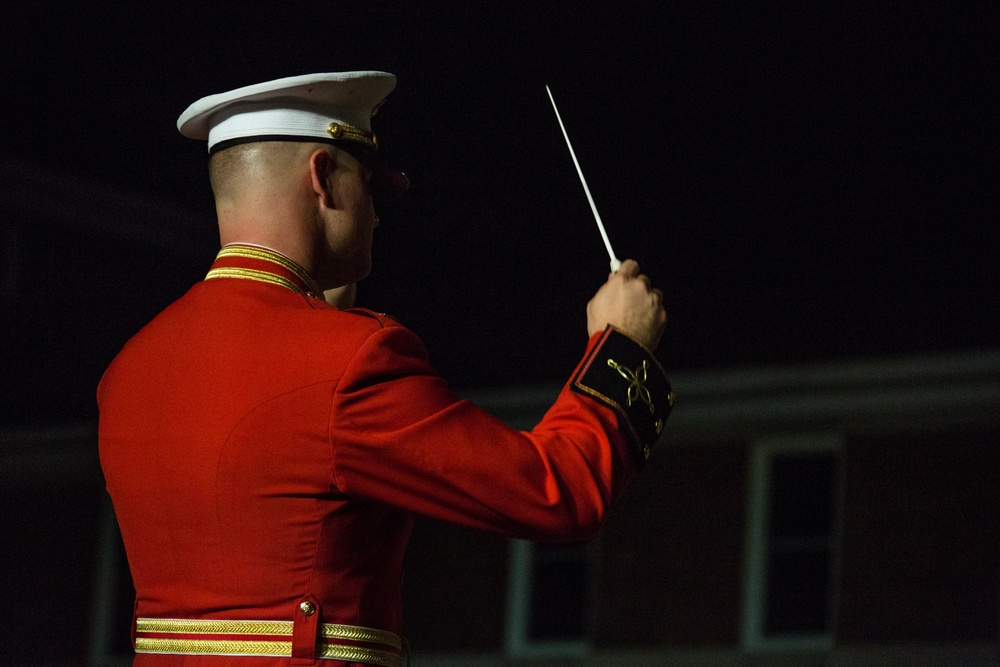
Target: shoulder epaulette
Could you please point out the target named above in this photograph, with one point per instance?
(381, 318)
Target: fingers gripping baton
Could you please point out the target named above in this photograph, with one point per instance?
(615, 263)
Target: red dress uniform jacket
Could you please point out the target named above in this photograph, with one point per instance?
(266, 453)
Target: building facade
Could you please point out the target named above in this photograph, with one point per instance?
(837, 514)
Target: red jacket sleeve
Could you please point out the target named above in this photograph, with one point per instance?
(399, 436)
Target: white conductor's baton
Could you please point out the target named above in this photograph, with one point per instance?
(615, 263)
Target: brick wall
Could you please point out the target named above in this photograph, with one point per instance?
(672, 552)
(921, 554)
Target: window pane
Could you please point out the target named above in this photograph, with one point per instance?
(797, 593)
(559, 600)
(802, 495)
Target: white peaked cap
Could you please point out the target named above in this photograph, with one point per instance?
(332, 107)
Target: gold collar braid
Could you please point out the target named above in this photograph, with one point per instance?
(268, 255)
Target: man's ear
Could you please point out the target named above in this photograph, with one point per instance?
(321, 168)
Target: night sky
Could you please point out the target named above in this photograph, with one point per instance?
(805, 185)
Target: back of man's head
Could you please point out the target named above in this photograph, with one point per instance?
(256, 169)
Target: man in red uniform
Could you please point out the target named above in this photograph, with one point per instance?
(266, 451)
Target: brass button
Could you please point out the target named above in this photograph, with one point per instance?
(647, 452)
(307, 607)
(659, 426)
(334, 130)
(670, 399)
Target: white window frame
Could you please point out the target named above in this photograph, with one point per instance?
(518, 643)
(763, 451)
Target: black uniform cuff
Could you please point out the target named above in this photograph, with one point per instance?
(623, 374)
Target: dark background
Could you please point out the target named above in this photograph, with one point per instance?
(805, 184)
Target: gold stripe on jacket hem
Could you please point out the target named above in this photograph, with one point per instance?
(249, 646)
(193, 626)
(369, 656)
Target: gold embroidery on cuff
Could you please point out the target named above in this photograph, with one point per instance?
(637, 379)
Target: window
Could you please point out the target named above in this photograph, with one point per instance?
(549, 601)
(792, 543)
